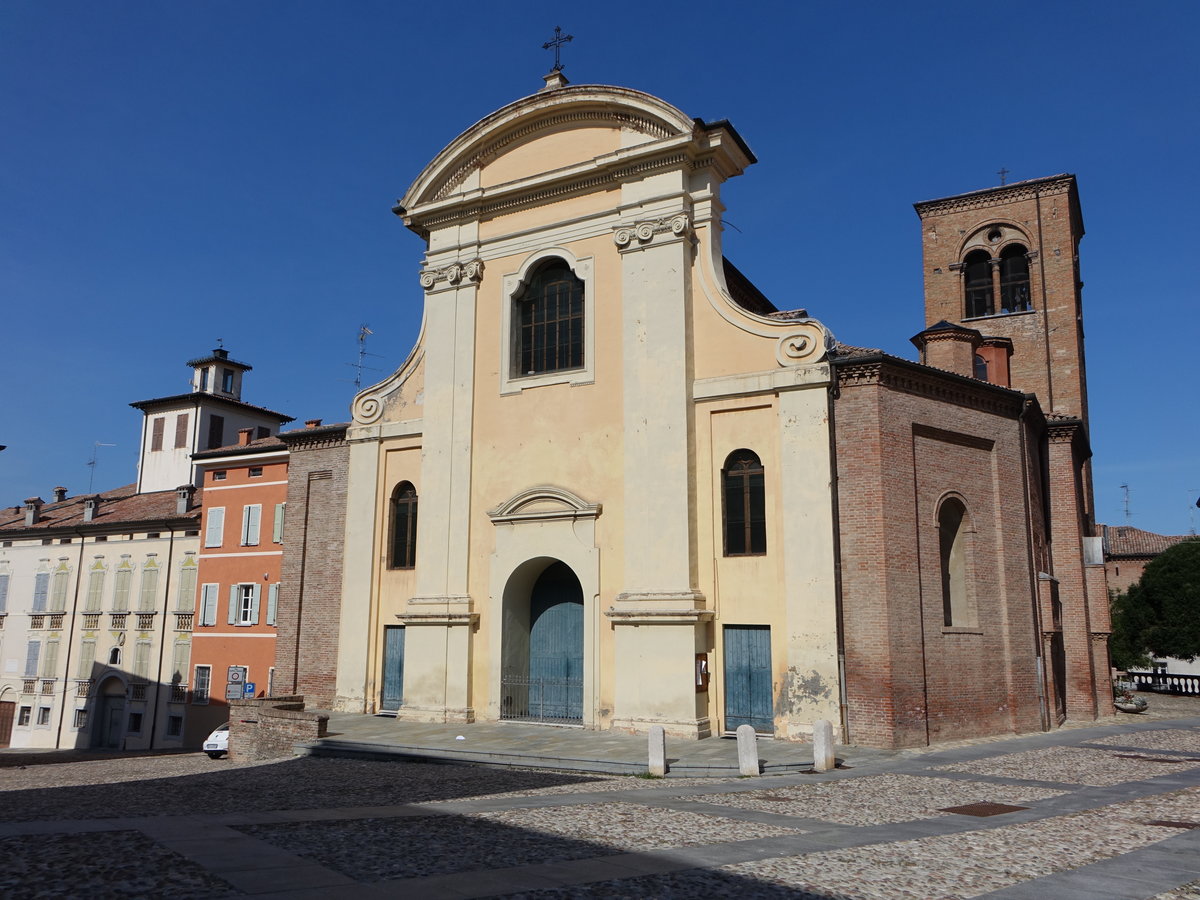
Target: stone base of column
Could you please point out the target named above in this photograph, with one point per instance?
(689, 729)
(435, 714)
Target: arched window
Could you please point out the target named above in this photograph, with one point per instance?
(548, 322)
(114, 656)
(977, 271)
(952, 530)
(745, 507)
(1014, 279)
(402, 552)
(981, 368)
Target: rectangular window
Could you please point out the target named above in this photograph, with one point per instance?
(50, 661)
(277, 531)
(58, 593)
(95, 591)
(227, 380)
(156, 433)
(208, 604)
(149, 592)
(204, 379)
(174, 726)
(121, 586)
(272, 602)
(33, 650)
(216, 431)
(80, 720)
(181, 431)
(141, 660)
(24, 715)
(87, 658)
(243, 604)
(135, 723)
(185, 596)
(3, 593)
(200, 685)
(214, 531)
(256, 471)
(251, 515)
(41, 590)
(179, 661)
(219, 476)
(43, 715)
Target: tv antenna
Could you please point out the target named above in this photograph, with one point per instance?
(92, 462)
(1125, 488)
(359, 366)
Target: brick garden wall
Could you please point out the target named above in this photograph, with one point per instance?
(270, 728)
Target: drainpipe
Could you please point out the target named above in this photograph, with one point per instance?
(843, 692)
(162, 641)
(62, 713)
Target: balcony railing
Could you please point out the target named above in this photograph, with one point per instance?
(91, 621)
(118, 621)
(56, 622)
(145, 621)
(28, 685)
(137, 692)
(178, 693)
(83, 688)
(183, 621)
(38, 620)
(48, 686)
(1163, 683)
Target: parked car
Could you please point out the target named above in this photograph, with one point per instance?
(217, 743)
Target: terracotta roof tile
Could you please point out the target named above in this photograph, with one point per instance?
(117, 506)
(1125, 540)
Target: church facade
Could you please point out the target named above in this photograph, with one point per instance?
(614, 486)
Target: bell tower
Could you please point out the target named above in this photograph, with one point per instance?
(1005, 261)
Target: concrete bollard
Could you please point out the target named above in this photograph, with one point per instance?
(823, 758)
(747, 742)
(658, 751)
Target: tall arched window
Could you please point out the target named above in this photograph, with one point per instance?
(402, 554)
(743, 488)
(952, 530)
(977, 271)
(1014, 279)
(548, 321)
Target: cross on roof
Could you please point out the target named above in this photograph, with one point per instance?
(559, 40)
(1003, 173)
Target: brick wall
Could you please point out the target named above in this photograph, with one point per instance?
(313, 545)
(270, 728)
(906, 438)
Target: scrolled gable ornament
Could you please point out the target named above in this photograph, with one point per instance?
(804, 344)
(453, 274)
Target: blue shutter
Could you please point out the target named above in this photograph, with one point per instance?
(41, 587)
(32, 651)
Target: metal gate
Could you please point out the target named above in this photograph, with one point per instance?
(748, 678)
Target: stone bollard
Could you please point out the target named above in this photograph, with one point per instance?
(823, 758)
(747, 742)
(658, 751)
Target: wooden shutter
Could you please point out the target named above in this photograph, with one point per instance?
(156, 434)
(32, 651)
(208, 604)
(95, 590)
(87, 658)
(146, 599)
(214, 531)
(185, 597)
(234, 597)
(272, 603)
(181, 431)
(277, 532)
(41, 587)
(121, 590)
(216, 431)
(254, 597)
(58, 594)
(141, 660)
(251, 516)
(3, 593)
(179, 662)
(50, 663)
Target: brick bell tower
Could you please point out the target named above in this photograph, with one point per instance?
(1005, 262)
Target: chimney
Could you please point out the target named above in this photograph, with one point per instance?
(91, 505)
(60, 494)
(183, 498)
(950, 347)
(33, 510)
(221, 353)
(312, 423)
(244, 436)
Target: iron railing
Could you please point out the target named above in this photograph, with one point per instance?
(534, 699)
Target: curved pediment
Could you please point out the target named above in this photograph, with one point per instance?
(602, 110)
(543, 502)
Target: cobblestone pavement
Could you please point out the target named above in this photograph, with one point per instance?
(1106, 812)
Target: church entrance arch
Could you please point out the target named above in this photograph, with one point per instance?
(542, 674)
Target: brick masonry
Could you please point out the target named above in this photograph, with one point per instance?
(311, 595)
(270, 728)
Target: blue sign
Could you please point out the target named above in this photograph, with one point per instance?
(248, 689)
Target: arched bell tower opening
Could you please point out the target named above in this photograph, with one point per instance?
(542, 670)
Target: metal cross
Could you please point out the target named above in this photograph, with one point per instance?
(1002, 173)
(559, 40)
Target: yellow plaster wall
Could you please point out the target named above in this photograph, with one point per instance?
(549, 150)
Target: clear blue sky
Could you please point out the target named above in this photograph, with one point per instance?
(175, 172)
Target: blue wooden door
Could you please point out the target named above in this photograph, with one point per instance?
(556, 645)
(748, 678)
(393, 667)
